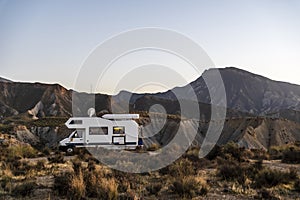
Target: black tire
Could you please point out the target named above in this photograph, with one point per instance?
(70, 150)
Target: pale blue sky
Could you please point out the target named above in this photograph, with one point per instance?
(47, 41)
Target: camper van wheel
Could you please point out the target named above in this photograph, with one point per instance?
(70, 150)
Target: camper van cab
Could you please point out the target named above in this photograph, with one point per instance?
(111, 131)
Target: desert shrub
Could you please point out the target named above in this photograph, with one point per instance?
(241, 173)
(109, 188)
(126, 181)
(192, 154)
(153, 147)
(230, 170)
(291, 155)
(267, 194)
(253, 169)
(24, 189)
(58, 157)
(40, 164)
(77, 166)
(204, 163)
(229, 151)
(214, 153)
(46, 151)
(190, 187)
(6, 183)
(232, 150)
(20, 167)
(62, 183)
(154, 188)
(5, 169)
(77, 186)
(91, 165)
(275, 153)
(21, 151)
(92, 181)
(84, 155)
(270, 178)
(297, 185)
(179, 168)
(259, 154)
(100, 187)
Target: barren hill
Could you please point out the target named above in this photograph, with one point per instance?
(248, 95)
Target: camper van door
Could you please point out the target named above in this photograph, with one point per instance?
(98, 135)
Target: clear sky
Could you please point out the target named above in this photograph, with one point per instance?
(47, 41)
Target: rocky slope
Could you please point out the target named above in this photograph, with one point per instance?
(249, 132)
(246, 92)
(40, 100)
(248, 95)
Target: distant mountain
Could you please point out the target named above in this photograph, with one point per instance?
(40, 100)
(4, 80)
(249, 132)
(248, 95)
(246, 92)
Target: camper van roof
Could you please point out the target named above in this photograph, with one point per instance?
(121, 116)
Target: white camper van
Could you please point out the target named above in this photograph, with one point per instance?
(111, 131)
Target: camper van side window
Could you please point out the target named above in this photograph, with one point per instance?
(76, 122)
(98, 131)
(119, 130)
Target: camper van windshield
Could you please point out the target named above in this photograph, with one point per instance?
(78, 134)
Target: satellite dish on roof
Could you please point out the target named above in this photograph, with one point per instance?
(91, 112)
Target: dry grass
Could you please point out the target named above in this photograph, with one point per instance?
(77, 186)
(100, 187)
(269, 178)
(21, 151)
(24, 189)
(190, 186)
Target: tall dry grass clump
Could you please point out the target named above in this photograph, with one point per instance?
(190, 186)
(77, 186)
(100, 187)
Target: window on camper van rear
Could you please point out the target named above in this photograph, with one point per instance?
(119, 130)
(98, 131)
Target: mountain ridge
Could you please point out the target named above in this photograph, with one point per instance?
(246, 92)
(278, 124)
